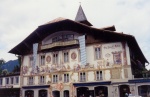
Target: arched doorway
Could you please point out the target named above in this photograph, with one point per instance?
(144, 90)
(66, 93)
(42, 93)
(56, 93)
(101, 90)
(29, 93)
(123, 89)
(82, 91)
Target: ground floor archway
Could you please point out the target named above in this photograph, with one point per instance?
(144, 90)
(56, 93)
(82, 91)
(124, 89)
(101, 91)
(66, 93)
(42, 93)
(29, 93)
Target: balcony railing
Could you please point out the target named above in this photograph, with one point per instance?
(59, 43)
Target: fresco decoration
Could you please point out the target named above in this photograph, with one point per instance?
(107, 55)
(100, 64)
(59, 86)
(77, 67)
(48, 59)
(117, 57)
(88, 66)
(60, 77)
(25, 70)
(113, 46)
(73, 56)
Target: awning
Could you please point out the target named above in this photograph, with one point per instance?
(139, 81)
(35, 87)
(91, 83)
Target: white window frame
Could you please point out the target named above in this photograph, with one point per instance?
(97, 52)
(30, 60)
(66, 77)
(30, 80)
(42, 79)
(7, 81)
(16, 78)
(55, 58)
(66, 56)
(99, 75)
(82, 76)
(55, 78)
(42, 59)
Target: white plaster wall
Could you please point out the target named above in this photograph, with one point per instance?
(107, 75)
(91, 76)
(25, 80)
(36, 80)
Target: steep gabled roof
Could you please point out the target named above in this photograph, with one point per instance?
(110, 28)
(66, 24)
(80, 17)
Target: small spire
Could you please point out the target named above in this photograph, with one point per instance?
(80, 17)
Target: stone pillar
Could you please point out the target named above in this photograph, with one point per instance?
(115, 91)
(132, 89)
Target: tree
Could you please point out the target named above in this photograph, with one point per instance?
(2, 61)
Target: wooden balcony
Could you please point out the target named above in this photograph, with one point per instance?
(59, 43)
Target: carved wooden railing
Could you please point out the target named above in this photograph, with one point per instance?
(60, 43)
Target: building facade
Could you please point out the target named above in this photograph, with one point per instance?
(10, 79)
(53, 60)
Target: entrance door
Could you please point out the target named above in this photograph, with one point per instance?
(123, 90)
(82, 92)
(101, 91)
(42, 93)
(56, 94)
(29, 93)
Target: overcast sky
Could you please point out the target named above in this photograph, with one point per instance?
(19, 18)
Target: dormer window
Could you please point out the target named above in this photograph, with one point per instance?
(65, 37)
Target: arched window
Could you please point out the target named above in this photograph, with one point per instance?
(42, 93)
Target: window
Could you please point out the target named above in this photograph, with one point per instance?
(66, 57)
(82, 76)
(42, 80)
(99, 75)
(66, 78)
(68, 37)
(30, 80)
(7, 80)
(16, 80)
(97, 53)
(42, 60)
(1, 81)
(12, 80)
(65, 37)
(31, 60)
(55, 78)
(117, 58)
(55, 58)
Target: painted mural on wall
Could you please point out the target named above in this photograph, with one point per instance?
(111, 56)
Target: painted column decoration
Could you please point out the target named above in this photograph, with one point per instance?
(35, 49)
(124, 53)
(82, 49)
